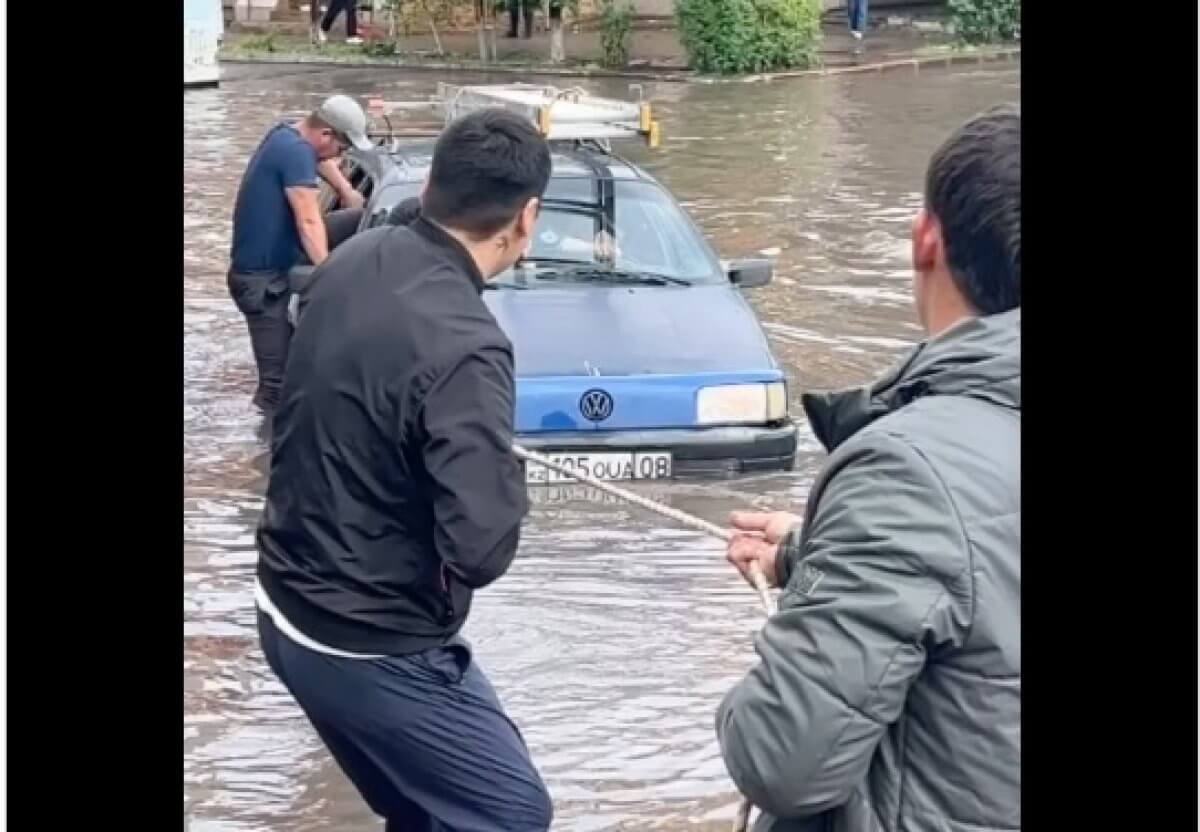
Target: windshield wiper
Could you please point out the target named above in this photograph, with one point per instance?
(492, 284)
(552, 261)
(601, 274)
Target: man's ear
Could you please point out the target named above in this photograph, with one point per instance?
(527, 219)
(926, 241)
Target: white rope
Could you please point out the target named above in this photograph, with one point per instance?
(742, 819)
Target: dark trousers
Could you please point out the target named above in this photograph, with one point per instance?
(515, 8)
(341, 225)
(262, 297)
(856, 10)
(350, 7)
(423, 736)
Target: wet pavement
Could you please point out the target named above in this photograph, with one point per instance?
(613, 637)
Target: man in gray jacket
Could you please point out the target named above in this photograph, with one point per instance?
(889, 692)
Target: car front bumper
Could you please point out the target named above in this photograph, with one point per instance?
(694, 451)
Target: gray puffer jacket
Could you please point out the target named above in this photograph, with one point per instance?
(888, 697)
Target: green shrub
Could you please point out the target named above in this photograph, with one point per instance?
(986, 21)
(616, 20)
(380, 48)
(259, 43)
(729, 36)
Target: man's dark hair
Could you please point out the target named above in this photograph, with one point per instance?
(973, 188)
(486, 166)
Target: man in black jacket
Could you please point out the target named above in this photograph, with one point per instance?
(394, 494)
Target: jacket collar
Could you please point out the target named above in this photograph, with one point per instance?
(978, 357)
(462, 258)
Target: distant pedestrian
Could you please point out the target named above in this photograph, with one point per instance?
(314, 21)
(518, 9)
(336, 7)
(856, 10)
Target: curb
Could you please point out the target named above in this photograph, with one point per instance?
(682, 77)
(915, 64)
(447, 66)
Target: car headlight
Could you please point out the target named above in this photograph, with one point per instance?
(733, 404)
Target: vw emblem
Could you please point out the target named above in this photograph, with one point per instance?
(596, 405)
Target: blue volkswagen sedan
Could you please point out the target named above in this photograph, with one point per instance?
(637, 356)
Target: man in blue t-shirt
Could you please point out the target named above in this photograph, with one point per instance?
(277, 218)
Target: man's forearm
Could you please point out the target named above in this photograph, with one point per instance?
(313, 239)
(347, 196)
(332, 174)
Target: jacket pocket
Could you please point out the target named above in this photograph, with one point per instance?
(455, 595)
(447, 597)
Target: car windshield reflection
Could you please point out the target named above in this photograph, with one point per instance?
(648, 240)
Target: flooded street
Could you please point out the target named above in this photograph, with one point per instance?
(613, 638)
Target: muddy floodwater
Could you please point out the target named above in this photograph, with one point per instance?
(614, 636)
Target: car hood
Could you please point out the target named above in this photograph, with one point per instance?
(630, 330)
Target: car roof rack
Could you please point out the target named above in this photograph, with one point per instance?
(571, 115)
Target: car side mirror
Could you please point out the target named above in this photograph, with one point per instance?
(751, 272)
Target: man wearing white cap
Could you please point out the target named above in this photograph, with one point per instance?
(277, 218)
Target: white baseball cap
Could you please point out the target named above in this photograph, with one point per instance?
(344, 116)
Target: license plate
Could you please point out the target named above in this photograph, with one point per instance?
(654, 465)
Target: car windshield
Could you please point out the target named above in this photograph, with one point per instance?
(650, 239)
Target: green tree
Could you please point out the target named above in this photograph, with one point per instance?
(616, 21)
(732, 36)
(400, 14)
